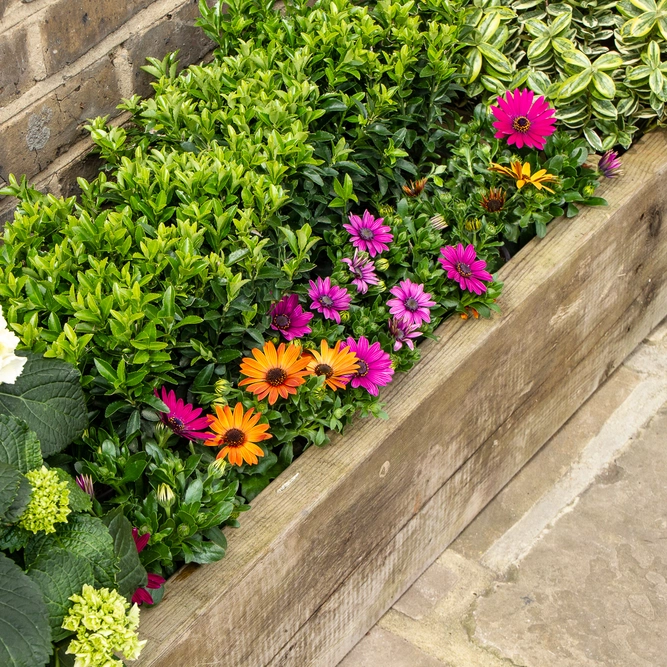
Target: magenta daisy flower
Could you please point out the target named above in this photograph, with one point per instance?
(363, 271)
(85, 483)
(141, 595)
(524, 119)
(411, 303)
(369, 234)
(375, 369)
(402, 332)
(288, 317)
(610, 164)
(328, 299)
(461, 265)
(183, 418)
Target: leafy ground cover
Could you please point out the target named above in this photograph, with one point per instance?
(265, 245)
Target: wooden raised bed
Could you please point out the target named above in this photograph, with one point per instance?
(341, 534)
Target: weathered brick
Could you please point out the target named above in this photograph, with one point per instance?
(43, 131)
(174, 31)
(15, 77)
(71, 27)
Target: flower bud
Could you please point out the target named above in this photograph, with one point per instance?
(589, 190)
(165, 495)
(473, 225)
(385, 210)
(381, 286)
(217, 468)
(345, 316)
(222, 387)
(382, 264)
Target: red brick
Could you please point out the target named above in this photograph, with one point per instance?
(71, 27)
(176, 31)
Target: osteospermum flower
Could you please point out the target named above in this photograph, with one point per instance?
(288, 317)
(374, 370)
(328, 299)
(183, 418)
(521, 174)
(106, 627)
(524, 119)
(49, 501)
(402, 332)
(369, 234)
(415, 188)
(274, 372)
(411, 303)
(494, 200)
(335, 364)
(363, 271)
(238, 434)
(610, 164)
(85, 483)
(463, 266)
(141, 595)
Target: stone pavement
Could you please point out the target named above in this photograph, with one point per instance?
(567, 566)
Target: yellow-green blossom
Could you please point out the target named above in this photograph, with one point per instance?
(105, 625)
(49, 501)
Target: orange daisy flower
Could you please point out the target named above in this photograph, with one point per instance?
(274, 372)
(238, 434)
(335, 364)
(415, 188)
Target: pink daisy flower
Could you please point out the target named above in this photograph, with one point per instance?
(402, 332)
(610, 165)
(288, 317)
(363, 271)
(85, 483)
(369, 234)
(374, 370)
(524, 119)
(411, 303)
(183, 418)
(328, 299)
(461, 265)
(141, 595)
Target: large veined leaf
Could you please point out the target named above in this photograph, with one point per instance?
(85, 536)
(19, 446)
(25, 635)
(59, 575)
(131, 573)
(48, 396)
(10, 481)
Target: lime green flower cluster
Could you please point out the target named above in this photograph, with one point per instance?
(105, 624)
(49, 502)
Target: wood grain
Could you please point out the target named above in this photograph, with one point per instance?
(337, 538)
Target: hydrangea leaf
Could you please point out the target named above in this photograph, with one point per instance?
(79, 500)
(131, 572)
(60, 574)
(85, 536)
(19, 446)
(10, 481)
(49, 398)
(25, 640)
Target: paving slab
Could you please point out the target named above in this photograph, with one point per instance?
(593, 591)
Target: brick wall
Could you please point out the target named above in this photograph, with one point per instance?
(65, 61)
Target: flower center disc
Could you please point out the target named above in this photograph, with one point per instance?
(326, 301)
(234, 437)
(411, 304)
(281, 321)
(464, 269)
(363, 369)
(521, 124)
(175, 424)
(366, 234)
(493, 205)
(275, 376)
(324, 369)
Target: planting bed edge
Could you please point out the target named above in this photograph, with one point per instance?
(342, 533)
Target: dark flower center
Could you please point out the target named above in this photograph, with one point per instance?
(281, 321)
(235, 437)
(275, 376)
(493, 205)
(521, 124)
(366, 234)
(175, 424)
(400, 334)
(326, 301)
(324, 369)
(363, 369)
(464, 269)
(411, 304)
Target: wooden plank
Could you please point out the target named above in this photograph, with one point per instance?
(345, 530)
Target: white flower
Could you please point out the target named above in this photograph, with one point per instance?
(11, 366)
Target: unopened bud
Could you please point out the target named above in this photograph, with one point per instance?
(165, 495)
(382, 264)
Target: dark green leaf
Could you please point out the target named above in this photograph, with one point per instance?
(10, 480)
(19, 446)
(131, 574)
